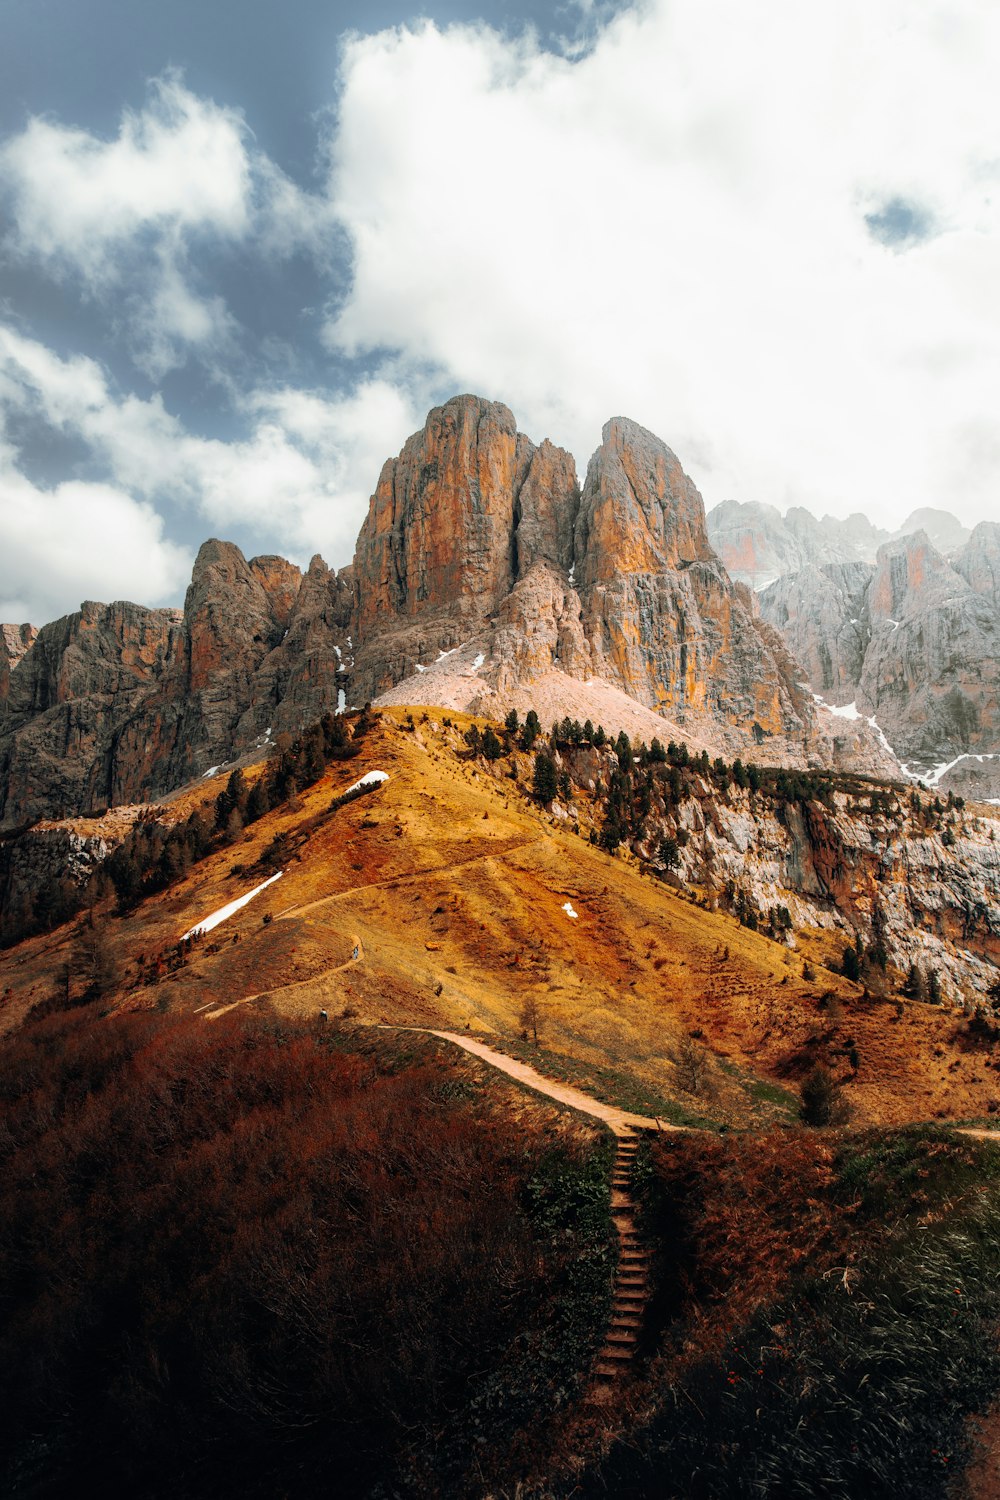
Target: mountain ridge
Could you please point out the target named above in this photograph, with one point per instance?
(475, 537)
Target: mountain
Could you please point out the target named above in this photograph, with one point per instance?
(234, 1154)
(914, 642)
(484, 578)
(758, 545)
(439, 898)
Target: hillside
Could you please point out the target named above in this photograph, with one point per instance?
(439, 897)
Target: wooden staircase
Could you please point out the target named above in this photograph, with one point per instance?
(632, 1280)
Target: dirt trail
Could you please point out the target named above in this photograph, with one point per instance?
(411, 877)
(620, 1120)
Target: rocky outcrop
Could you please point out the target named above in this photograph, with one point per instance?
(15, 640)
(120, 704)
(914, 642)
(979, 562)
(662, 616)
(758, 544)
(821, 614)
(82, 678)
(944, 531)
(476, 538)
(478, 544)
(465, 511)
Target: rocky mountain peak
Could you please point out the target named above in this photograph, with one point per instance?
(943, 530)
(468, 506)
(979, 561)
(639, 511)
(909, 575)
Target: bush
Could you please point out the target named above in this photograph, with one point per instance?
(819, 1097)
(254, 1258)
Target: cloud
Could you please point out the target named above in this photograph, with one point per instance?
(298, 482)
(678, 225)
(134, 212)
(80, 541)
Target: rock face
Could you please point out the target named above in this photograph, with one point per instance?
(914, 642)
(461, 516)
(758, 545)
(14, 642)
(821, 614)
(979, 562)
(478, 544)
(477, 539)
(662, 616)
(118, 703)
(82, 678)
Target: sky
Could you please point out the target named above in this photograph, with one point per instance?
(246, 245)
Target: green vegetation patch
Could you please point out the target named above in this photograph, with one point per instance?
(609, 1085)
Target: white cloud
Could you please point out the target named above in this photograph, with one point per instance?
(299, 481)
(673, 227)
(133, 212)
(80, 541)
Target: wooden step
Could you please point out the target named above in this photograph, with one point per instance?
(624, 1338)
(624, 1321)
(606, 1370)
(616, 1352)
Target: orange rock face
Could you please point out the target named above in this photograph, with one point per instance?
(463, 512)
(659, 607)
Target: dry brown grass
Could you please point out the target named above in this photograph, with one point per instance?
(451, 883)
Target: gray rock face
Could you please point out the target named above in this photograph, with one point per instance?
(15, 640)
(118, 703)
(82, 677)
(915, 642)
(821, 614)
(931, 673)
(943, 530)
(758, 545)
(979, 561)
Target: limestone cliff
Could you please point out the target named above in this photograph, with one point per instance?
(479, 555)
(118, 704)
(464, 512)
(661, 614)
(915, 643)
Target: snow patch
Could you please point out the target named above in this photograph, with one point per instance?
(846, 710)
(341, 700)
(371, 779)
(443, 654)
(420, 668)
(480, 659)
(572, 576)
(224, 912)
(934, 776)
(567, 907)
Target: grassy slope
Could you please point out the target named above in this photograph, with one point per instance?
(451, 883)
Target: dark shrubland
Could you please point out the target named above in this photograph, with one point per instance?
(252, 1258)
(825, 1319)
